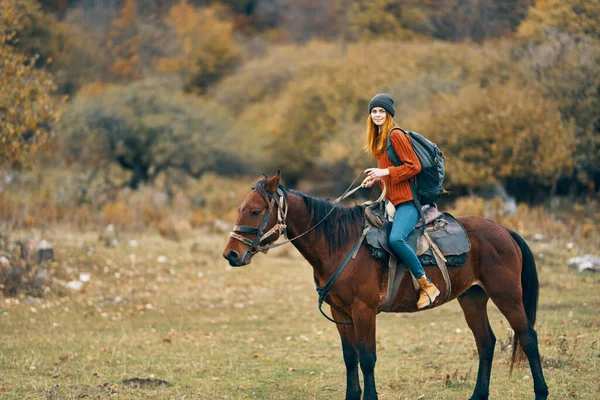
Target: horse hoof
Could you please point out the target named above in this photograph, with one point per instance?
(479, 397)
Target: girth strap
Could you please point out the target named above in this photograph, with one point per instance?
(323, 291)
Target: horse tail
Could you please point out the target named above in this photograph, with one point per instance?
(530, 286)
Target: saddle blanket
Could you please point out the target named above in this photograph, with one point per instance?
(445, 231)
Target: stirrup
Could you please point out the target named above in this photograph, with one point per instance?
(428, 296)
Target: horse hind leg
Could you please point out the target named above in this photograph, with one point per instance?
(474, 305)
(512, 309)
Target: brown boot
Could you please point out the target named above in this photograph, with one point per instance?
(429, 292)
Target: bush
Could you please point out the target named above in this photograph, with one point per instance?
(567, 70)
(147, 129)
(501, 132)
(20, 274)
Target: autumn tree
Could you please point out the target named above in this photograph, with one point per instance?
(561, 51)
(304, 107)
(205, 49)
(475, 19)
(379, 19)
(452, 20)
(28, 109)
(147, 128)
(499, 133)
(307, 19)
(126, 40)
(575, 17)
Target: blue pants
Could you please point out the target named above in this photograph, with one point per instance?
(405, 219)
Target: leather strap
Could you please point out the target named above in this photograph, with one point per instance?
(395, 275)
(441, 262)
(324, 290)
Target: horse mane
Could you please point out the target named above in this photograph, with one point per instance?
(342, 225)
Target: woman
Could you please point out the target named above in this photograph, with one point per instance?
(379, 125)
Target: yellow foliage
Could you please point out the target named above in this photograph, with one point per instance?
(577, 17)
(92, 88)
(588, 229)
(199, 218)
(303, 106)
(470, 205)
(151, 216)
(530, 220)
(29, 221)
(10, 210)
(126, 40)
(27, 106)
(499, 132)
(206, 46)
(374, 19)
(119, 214)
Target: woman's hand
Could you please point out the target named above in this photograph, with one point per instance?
(368, 182)
(374, 175)
(377, 172)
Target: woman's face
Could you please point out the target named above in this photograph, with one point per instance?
(378, 115)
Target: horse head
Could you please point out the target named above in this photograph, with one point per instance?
(260, 221)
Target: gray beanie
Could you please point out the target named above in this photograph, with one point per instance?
(384, 101)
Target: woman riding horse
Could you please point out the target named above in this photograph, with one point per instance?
(500, 266)
(380, 124)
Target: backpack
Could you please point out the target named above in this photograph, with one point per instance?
(431, 178)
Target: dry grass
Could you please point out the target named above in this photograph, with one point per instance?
(579, 223)
(173, 310)
(35, 201)
(213, 332)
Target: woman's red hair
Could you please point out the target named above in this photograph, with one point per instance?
(375, 141)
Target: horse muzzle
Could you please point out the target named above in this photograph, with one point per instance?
(235, 260)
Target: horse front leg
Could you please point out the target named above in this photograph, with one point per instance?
(364, 329)
(350, 351)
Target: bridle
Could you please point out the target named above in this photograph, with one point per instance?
(279, 227)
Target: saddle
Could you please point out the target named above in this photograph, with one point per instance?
(445, 231)
(442, 242)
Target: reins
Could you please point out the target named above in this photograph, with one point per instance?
(281, 223)
(338, 200)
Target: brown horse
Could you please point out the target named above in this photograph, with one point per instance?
(499, 266)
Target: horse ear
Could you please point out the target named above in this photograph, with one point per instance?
(273, 183)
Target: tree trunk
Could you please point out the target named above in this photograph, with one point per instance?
(140, 175)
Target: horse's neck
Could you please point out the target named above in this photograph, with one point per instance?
(312, 249)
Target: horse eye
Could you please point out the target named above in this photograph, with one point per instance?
(256, 212)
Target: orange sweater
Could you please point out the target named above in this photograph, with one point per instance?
(398, 188)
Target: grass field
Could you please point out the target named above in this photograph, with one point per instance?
(201, 329)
